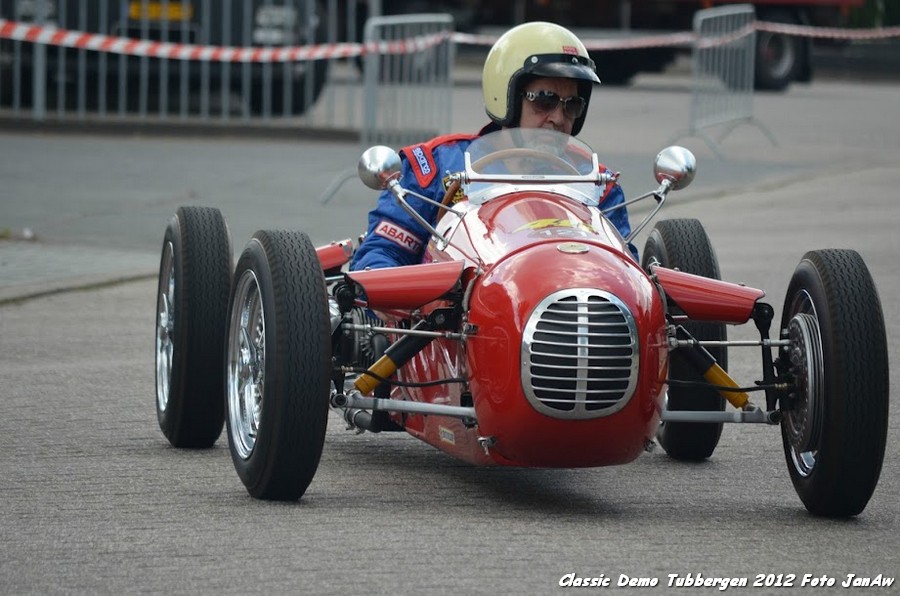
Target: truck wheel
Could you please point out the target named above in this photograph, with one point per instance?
(835, 429)
(191, 306)
(780, 59)
(278, 357)
(683, 244)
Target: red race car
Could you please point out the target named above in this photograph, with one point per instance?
(528, 335)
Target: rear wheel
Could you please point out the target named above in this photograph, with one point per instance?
(835, 430)
(278, 356)
(191, 307)
(683, 244)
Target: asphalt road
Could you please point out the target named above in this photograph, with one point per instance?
(95, 501)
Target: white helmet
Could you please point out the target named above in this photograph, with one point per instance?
(529, 51)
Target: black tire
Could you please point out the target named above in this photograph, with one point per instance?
(683, 244)
(278, 357)
(834, 436)
(191, 310)
(780, 59)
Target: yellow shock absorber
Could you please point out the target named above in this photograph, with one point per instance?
(384, 367)
(397, 354)
(704, 363)
(716, 375)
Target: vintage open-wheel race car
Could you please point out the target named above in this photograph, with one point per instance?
(528, 335)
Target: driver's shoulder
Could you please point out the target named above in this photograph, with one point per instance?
(443, 143)
(427, 159)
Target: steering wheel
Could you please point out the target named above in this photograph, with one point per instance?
(524, 152)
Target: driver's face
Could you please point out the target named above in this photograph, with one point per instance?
(555, 119)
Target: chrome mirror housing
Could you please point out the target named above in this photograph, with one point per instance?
(676, 165)
(378, 165)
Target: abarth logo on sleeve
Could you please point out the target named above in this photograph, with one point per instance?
(399, 236)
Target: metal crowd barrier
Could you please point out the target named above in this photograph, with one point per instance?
(722, 81)
(286, 63)
(408, 95)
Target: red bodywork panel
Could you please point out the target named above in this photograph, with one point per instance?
(407, 287)
(704, 299)
(510, 255)
(335, 254)
(524, 435)
(532, 244)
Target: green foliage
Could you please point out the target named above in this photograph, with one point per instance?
(876, 13)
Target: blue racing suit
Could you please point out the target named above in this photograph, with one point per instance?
(394, 238)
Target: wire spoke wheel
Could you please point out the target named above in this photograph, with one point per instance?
(191, 307)
(246, 364)
(277, 365)
(165, 327)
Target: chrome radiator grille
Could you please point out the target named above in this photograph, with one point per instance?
(580, 354)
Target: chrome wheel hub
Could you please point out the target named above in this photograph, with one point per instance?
(165, 327)
(803, 423)
(246, 364)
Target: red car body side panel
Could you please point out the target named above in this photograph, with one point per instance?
(704, 299)
(407, 287)
(335, 254)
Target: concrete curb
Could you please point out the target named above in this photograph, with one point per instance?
(29, 291)
(31, 269)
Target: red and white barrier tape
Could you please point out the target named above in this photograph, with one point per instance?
(50, 35)
(688, 38)
(828, 32)
(648, 41)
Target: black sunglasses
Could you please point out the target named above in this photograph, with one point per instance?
(546, 101)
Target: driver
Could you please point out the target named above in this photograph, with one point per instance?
(537, 75)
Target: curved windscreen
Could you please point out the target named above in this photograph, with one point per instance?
(518, 159)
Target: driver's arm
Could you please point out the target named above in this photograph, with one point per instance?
(619, 217)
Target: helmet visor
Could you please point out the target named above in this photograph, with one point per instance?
(566, 66)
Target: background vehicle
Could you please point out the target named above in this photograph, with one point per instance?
(779, 59)
(119, 82)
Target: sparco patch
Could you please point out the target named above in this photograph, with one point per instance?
(423, 164)
(422, 160)
(399, 236)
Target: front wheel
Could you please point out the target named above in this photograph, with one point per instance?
(835, 426)
(683, 244)
(278, 355)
